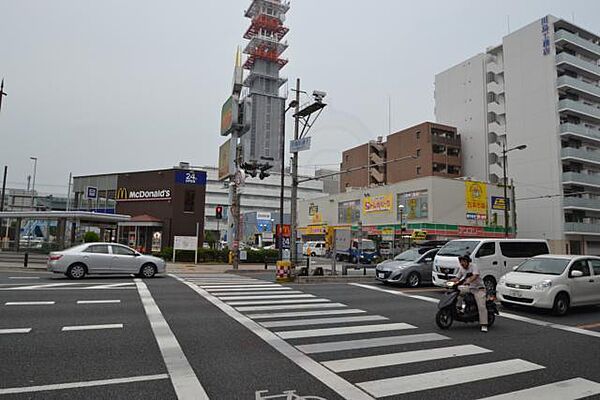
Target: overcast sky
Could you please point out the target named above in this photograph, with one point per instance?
(111, 85)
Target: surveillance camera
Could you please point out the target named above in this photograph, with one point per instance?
(318, 95)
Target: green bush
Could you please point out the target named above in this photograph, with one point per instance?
(216, 256)
(91, 237)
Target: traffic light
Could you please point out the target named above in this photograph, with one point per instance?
(219, 212)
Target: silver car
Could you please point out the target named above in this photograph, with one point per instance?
(103, 258)
(412, 267)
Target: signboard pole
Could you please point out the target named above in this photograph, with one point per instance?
(334, 265)
(196, 247)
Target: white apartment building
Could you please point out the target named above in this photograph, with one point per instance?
(541, 88)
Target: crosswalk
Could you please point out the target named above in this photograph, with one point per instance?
(340, 338)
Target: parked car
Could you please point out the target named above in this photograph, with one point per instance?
(103, 258)
(554, 282)
(494, 257)
(412, 267)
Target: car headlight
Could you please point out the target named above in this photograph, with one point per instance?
(543, 285)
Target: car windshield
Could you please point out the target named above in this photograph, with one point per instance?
(408, 255)
(458, 248)
(548, 266)
(367, 245)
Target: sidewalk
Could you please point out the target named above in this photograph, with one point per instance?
(187, 268)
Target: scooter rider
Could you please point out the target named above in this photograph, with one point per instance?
(475, 286)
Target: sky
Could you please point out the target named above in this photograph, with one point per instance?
(99, 86)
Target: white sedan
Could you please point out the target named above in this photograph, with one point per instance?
(103, 258)
(555, 282)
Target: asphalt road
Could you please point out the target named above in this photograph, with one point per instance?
(244, 337)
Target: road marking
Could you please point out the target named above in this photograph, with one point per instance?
(344, 388)
(16, 330)
(407, 357)
(91, 327)
(23, 277)
(503, 314)
(321, 321)
(345, 330)
(110, 286)
(271, 297)
(185, 381)
(370, 343)
(291, 307)
(77, 385)
(447, 377)
(305, 314)
(29, 303)
(571, 389)
(98, 301)
(247, 289)
(589, 326)
(286, 293)
(210, 287)
(261, 302)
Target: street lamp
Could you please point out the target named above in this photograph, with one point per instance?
(292, 104)
(401, 209)
(504, 179)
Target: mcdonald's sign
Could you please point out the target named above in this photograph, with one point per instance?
(142, 195)
(121, 194)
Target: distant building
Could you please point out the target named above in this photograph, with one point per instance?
(540, 87)
(331, 182)
(435, 148)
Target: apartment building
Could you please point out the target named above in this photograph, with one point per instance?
(541, 88)
(426, 149)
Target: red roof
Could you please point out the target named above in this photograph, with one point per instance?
(144, 218)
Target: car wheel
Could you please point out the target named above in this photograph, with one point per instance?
(148, 271)
(444, 318)
(561, 304)
(313, 254)
(490, 284)
(354, 260)
(76, 271)
(413, 280)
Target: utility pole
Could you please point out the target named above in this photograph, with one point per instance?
(2, 194)
(2, 93)
(235, 203)
(69, 192)
(294, 194)
(33, 184)
(504, 186)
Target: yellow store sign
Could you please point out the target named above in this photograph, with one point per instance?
(476, 197)
(380, 203)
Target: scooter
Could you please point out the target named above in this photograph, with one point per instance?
(450, 309)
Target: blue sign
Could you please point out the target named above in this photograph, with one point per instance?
(91, 192)
(191, 177)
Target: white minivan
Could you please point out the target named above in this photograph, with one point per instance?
(494, 257)
(314, 249)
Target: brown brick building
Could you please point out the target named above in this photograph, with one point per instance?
(437, 149)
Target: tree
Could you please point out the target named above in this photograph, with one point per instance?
(211, 238)
(91, 237)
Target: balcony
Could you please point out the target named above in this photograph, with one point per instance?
(580, 179)
(580, 86)
(580, 109)
(581, 155)
(455, 141)
(495, 87)
(581, 228)
(497, 128)
(581, 43)
(443, 158)
(579, 131)
(582, 204)
(578, 63)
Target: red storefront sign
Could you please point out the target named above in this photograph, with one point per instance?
(470, 231)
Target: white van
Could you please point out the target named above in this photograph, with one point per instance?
(314, 249)
(494, 257)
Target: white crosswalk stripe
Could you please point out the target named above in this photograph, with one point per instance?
(305, 314)
(257, 288)
(265, 302)
(407, 357)
(270, 297)
(322, 321)
(571, 389)
(346, 330)
(278, 293)
(448, 377)
(328, 347)
(290, 307)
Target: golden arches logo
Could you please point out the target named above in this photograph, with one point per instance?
(121, 194)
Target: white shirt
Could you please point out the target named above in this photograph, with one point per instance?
(474, 270)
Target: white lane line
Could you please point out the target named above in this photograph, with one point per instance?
(502, 314)
(291, 307)
(14, 330)
(279, 293)
(98, 301)
(448, 377)
(23, 277)
(345, 330)
(344, 388)
(249, 289)
(91, 327)
(571, 389)
(110, 286)
(76, 385)
(185, 381)
(261, 302)
(29, 303)
(305, 314)
(270, 297)
(369, 343)
(322, 321)
(407, 357)
(241, 287)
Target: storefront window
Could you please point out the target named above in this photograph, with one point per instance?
(416, 205)
(349, 212)
(190, 200)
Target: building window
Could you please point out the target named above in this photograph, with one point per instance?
(189, 201)
(418, 170)
(418, 135)
(418, 153)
